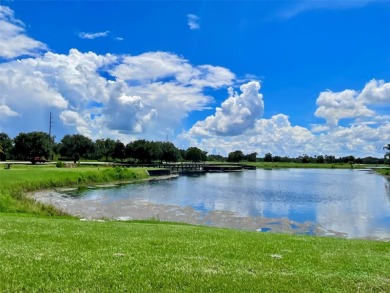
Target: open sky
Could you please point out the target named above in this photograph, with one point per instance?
(286, 77)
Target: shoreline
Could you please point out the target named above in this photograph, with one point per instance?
(134, 208)
(108, 184)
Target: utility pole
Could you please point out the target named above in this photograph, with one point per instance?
(50, 124)
(51, 155)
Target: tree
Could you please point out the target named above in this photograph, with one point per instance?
(217, 158)
(129, 151)
(305, 159)
(76, 146)
(119, 151)
(169, 153)
(194, 154)
(235, 156)
(268, 157)
(182, 154)
(104, 147)
(5, 146)
(141, 150)
(279, 159)
(330, 159)
(32, 144)
(251, 157)
(320, 159)
(387, 155)
(348, 159)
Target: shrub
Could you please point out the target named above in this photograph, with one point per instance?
(60, 164)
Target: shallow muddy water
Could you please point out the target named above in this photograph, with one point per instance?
(346, 203)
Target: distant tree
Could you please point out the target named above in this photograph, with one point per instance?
(76, 146)
(141, 150)
(330, 159)
(129, 151)
(217, 158)
(155, 149)
(5, 146)
(370, 160)
(182, 154)
(195, 154)
(305, 159)
(387, 155)
(235, 156)
(32, 144)
(119, 151)
(268, 157)
(251, 157)
(348, 159)
(104, 147)
(359, 161)
(169, 153)
(320, 159)
(277, 159)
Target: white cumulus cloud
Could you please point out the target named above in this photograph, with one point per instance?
(334, 106)
(376, 92)
(156, 66)
(7, 111)
(236, 114)
(73, 118)
(13, 40)
(365, 136)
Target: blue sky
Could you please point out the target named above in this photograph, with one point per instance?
(286, 77)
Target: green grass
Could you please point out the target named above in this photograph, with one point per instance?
(384, 172)
(41, 254)
(17, 181)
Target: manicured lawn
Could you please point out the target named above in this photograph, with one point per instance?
(41, 254)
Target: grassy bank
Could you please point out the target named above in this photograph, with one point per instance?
(66, 255)
(384, 172)
(16, 182)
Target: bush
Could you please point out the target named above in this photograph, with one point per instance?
(60, 164)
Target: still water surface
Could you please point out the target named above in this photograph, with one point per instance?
(347, 203)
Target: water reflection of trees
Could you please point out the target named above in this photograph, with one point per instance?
(387, 187)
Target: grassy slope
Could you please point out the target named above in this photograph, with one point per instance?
(54, 254)
(14, 183)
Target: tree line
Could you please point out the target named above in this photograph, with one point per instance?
(26, 146)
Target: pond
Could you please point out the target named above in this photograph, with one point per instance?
(345, 203)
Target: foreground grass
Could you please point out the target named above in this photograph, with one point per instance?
(16, 182)
(65, 255)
